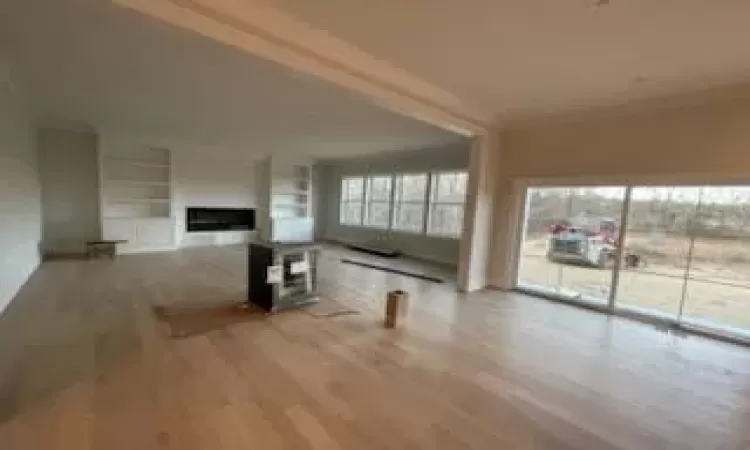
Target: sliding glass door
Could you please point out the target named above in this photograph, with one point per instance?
(657, 248)
(684, 254)
(569, 243)
(717, 291)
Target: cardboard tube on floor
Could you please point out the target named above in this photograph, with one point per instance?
(394, 307)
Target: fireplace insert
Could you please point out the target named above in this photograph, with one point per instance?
(220, 219)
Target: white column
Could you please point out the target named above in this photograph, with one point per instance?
(510, 204)
(476, 241)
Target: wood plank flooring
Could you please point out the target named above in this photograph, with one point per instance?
(85, 364)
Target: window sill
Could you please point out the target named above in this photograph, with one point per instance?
(447, 237)
(366, 227)
(408, 232)
(451, 237)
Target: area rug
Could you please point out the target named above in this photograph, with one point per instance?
(186, 321)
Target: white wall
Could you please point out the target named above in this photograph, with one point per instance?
(70, 190)
(201, 179)
(20, 204)
(438, 249)
(210, 176)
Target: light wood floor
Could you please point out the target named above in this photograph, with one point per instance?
(84, 364)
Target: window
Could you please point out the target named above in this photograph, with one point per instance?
(378, 202)
(409, 202)
(569, 241)
(675, 253)
(352, 192)
(447, 197)
(414, 203)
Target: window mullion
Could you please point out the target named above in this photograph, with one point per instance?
(426, 203)
(363, 200)
(392, 205)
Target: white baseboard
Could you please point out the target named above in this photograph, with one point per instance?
(138, 250)
(406, 254)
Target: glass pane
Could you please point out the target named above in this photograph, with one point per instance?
(594, 218)
(408, 217)
(379, 188)
(449, 187)
(545, 207)
(570, 238)
(352, 189)
(446, 219)
(656, 248)
(378, 214)
(351, 213)
(411, 187)
(718, 287)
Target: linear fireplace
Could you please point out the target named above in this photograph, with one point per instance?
(220, 219)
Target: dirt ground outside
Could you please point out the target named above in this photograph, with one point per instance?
(718, 288)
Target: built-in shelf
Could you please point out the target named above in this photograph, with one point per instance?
(136, 197)
(136, 184)
(289, 189)
(284, 191)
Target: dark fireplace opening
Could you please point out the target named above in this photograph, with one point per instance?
(220, 219)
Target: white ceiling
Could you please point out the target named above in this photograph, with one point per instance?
(529, 58)
(88, 61)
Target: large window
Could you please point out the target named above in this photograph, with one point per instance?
(409, 202)
(378, 202)
(570, 240)
(695, 245)
(658, 231)
(431, 203)
(447, 198)
(352, 194)
(682, 255)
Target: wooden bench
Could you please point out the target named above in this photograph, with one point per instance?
(95, 249)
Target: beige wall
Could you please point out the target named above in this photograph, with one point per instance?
(699, 144)
(712, 140)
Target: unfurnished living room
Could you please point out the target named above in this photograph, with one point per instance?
(296, 224)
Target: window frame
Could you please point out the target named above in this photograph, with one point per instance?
(424, 203)
(367, 201)
(344, 201)
(432, 203)
(686, 323)
(428, 203)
